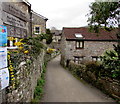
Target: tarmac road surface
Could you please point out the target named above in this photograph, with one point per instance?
(61, 86)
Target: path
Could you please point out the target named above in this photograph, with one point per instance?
(61, 86)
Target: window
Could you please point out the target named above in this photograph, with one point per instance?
(37, 29)
(78, 59)
(96, 58)
(77, 35)
(79, 44)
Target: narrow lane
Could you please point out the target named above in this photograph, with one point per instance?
(61, 86)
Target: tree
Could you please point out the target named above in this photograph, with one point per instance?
(48, 36)
(104, 14)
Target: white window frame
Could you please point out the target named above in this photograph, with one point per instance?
(78, 59)
(79, 44)
(35, 29)
(96, 58)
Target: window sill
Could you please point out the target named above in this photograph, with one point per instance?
(79, 48)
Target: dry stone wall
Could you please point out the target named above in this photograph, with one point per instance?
(28, 71)
(106, 84)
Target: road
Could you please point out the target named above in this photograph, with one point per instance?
(61, 86)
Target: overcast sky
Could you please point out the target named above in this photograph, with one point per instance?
(63, 13)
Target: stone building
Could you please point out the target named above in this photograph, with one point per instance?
(56, 38)
(80, 44)
(16, 15)
(38, 23)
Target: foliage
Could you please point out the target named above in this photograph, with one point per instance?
(94, 67)
(38, 92)
(103, 14)
(106, 15)
(111, 63)
(47, 36)
(33, 45)
(26, 51)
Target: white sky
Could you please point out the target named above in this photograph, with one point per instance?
(63, 13)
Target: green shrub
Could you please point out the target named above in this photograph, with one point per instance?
(40, 82)
(34, 45)
(111, 63)
(76, 68)
(38, 91)
(94, 67)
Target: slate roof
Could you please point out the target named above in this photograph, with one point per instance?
(87, 35)
(39, 15)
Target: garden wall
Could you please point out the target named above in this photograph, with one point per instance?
(107, 85)
(27, 70)
(26, 73)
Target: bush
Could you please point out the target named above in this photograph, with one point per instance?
(111, 63)
(76, 68)
(40, 82)
(38, 91)
(34, 45)
(94, 67)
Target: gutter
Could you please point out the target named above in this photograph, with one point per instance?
(92, 40)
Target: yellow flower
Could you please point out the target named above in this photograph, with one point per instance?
(18, 43)
(12, 75)
(11, 69)
(11, 38)
(21, 40)
(13, 79)
(20, 48)
(50, 50)
(8, 57)
(15, 38)
(26, 51)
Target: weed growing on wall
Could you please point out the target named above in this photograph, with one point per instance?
(38, 92)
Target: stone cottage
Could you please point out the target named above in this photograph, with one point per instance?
(80, 44)
(38, 24)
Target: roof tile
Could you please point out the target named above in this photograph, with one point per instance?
(102, 35)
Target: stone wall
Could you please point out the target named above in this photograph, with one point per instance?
(16, 16)
(28, 71)
(106, 84)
